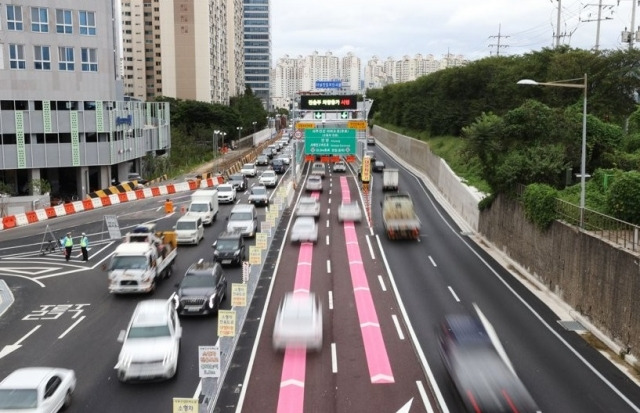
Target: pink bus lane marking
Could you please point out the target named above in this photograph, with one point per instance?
(291, 396)
(375, 349)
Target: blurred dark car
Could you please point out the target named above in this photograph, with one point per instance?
(278, 166)
(229, 248)
(378, 166)
(482, 378)
(239, 182)
(262, 160)
(202, 289)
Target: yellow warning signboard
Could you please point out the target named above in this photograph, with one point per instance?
(357, 124)
(305, 125)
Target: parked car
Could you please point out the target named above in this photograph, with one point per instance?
(314, 183)
(268, 178)
(153, 334)
(37, 389)
(202, 289)
(226, 193)
(259, 195)
(305, 229)
(339, 166)
(349, 211)
(298, 322)
(229, 248)
(249, 169)
(262, 160)
(318, 168)
(308, 206)
(239, 182)
(378, 166)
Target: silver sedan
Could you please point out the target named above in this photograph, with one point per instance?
(298, 322)
(308, 207)
(349, 211)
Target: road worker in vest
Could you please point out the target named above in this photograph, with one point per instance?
(67, 243)
(84, 243)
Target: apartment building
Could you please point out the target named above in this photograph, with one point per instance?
(63, 117)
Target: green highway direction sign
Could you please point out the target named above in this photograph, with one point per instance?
(330, 141)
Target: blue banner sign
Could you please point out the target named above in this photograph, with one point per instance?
(328, 84)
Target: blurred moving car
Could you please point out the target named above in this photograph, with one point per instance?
(239, 182)
(377, 166)
(339, 166)
(371, 140)
(298, 322)
(308, 206)
(285, 158)
(229, 248)
(243, 218)
(267, 152)
(262, 160)
(349, 211)
(259, 195)
(482, 377)
(268, 178)
(226, 193)
(249, 169)
(278, 166)
(304, 229)
(202, 289)
(314, 183)
(151, 343)
(37, 389)
(370, 154)
(317, 168)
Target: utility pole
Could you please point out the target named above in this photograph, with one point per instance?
(599, 19)
(499, 37)
(629, 36)
(558, 24)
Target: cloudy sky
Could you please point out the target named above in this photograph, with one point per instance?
(462, 27)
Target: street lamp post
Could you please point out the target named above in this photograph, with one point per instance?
(239, 130)
(254, 123)
(215, 142)
(583, 156)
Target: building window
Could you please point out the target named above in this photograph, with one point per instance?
(16, 56)
(14, 17)
(87, 23)
(64, 23)
(39, 19)
(89, 59)
(42, 57)
(65, 59)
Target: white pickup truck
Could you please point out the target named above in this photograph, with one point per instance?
(144, 257)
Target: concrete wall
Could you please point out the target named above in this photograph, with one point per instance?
(598, 279)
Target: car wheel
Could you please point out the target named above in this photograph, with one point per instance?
(67, 400)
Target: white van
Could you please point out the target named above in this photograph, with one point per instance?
(243, 218)
(189, 230)
(204, 203)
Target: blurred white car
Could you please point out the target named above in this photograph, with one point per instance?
(298, 322)
(37, 389)
(318, 168)
(308, 206)
(226, 193)
(268, 178)
(339, 166)
(151, 343)
(249, 169)
(285, 159)
(304, 229)
(349, 211)
(314, 183)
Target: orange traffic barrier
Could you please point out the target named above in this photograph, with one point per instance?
(168, 206)
(139, 193)
(51, 212)
(87, 204)
(69, 208)
(171, 189)
(9, 222)
(155, 191)
(31, 217)
(122, 196)
(106, 201)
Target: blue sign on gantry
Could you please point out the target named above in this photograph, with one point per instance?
(328, 84)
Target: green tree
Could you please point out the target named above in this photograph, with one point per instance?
(623, 197)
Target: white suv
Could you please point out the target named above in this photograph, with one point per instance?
(151, 343)
(226, 193)
(268, 178)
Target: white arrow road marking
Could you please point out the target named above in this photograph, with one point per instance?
(406, 408)
(8, 349)
(292, 382)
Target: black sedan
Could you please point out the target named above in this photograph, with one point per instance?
(378, 166)
(202, 289)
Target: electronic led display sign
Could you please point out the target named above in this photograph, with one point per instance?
(326, 102)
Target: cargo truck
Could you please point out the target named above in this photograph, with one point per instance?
(389, 179)
(399, 217)
(204, 203)
(144, 257)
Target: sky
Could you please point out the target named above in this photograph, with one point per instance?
(399, 28)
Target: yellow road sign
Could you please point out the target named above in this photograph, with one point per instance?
(305, 125)
(357, 124)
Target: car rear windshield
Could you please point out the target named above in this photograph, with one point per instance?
(149, 331)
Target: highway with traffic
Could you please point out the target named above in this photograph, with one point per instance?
(382, 302)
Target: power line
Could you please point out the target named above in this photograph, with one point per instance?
(500, 36)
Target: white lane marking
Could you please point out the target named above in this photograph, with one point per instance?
(373, 255)
(423, 394)
(327, 240)
(71, 327)
(334, 359)
(329, 200)
(432, 261)
(453, 293)
(330, 300)
(397, 324)
(381, 281)
(328, 266)
(327, 226)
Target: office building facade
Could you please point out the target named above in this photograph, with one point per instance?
(257, 49)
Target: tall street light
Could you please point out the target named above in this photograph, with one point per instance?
(239, 130)
(254, 123)
(215, 142)
(583, 157)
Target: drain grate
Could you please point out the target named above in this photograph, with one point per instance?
(572, 325)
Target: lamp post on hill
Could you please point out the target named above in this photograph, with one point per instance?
(254, 123)
(215, 142)
(239, 130)
(583, 157)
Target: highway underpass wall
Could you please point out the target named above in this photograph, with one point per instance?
(599, 280)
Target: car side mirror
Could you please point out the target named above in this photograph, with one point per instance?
(214, 244)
